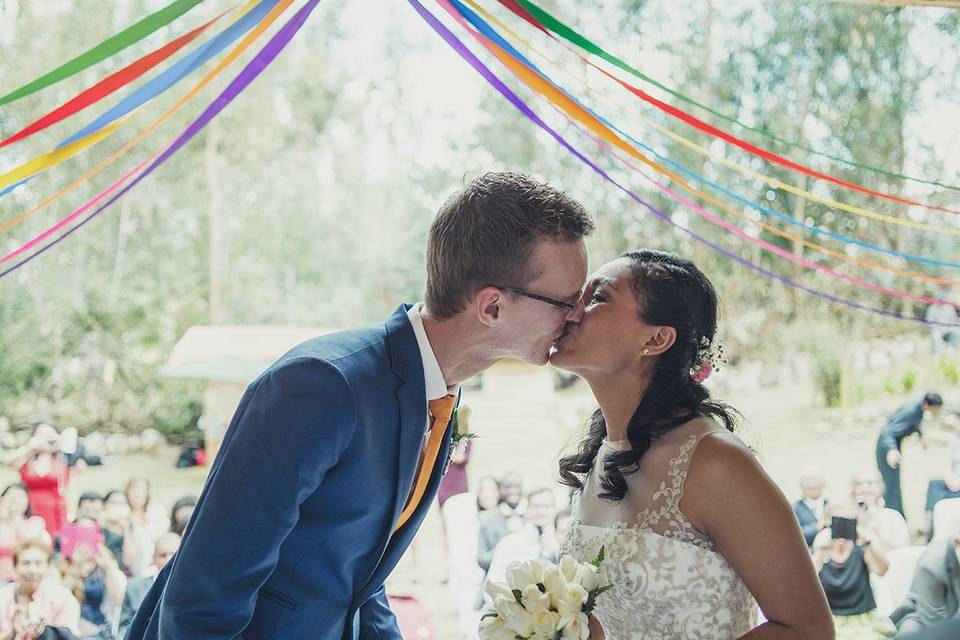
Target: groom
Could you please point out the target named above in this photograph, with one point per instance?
(336, 451)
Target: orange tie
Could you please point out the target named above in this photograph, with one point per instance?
(440, 409)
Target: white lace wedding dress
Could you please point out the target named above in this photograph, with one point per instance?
(670, 580)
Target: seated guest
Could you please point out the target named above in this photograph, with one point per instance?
(535, 539)
(811, 508)
(180, 514)
(91, 508)
(143, 513)
(505, 519)
(17, 525)
(934, 593)
(137, 589)
(90, 505)
(947, 488)
(118, 529)
(34, 601)
(488, 494)
(889, 525)
(845, 554)
(98, 583)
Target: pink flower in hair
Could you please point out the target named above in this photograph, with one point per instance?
(702, 373)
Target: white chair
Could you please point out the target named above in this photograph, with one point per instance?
(464, 575)
(946, 518)
(890, 589)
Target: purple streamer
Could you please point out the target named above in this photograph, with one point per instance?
(244, 78)
(517, 102)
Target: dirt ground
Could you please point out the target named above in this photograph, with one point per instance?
(523, 424)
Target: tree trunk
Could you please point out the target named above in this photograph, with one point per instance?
(215, 221)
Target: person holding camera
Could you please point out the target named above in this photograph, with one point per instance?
(845, 555)
(44, 471)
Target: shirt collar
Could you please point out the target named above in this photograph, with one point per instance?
(432, 374)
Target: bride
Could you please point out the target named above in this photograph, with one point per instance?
(695, 533)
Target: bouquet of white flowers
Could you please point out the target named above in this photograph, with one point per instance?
(543, 601)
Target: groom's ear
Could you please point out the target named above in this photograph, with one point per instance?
(662, 340)
(486, 303)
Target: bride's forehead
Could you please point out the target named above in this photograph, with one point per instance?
(611, 271)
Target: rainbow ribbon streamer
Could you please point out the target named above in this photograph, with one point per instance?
(517, 102)
(111, 83)
(253, 69)
(131, 35)
(535, 80)
(913, 275)
(547, 23)
(234, 53)
(184, 67)
(755, 150)
(493, 35)
(178, 71)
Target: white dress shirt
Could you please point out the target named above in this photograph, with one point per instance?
(433, 380)
(434, 383)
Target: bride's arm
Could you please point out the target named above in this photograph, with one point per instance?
(729, 496)
(596, 631)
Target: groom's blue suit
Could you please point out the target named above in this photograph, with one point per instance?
(292, 535)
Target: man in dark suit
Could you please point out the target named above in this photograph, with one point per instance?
(137, 588)
(904, 421)
(934, 594)
(811, 508)
(336, 452)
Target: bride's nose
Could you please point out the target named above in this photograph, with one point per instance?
(576, 314)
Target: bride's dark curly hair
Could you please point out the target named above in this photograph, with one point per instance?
(671, 292)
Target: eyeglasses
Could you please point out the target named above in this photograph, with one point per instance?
(566, 306)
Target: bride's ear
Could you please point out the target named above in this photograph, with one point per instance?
(661, 341)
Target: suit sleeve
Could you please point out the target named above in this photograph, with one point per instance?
(377, 621)
(888, 440)
(809, 528)
(924, 603)
(291, 427)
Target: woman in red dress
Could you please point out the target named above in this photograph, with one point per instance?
(45, 474)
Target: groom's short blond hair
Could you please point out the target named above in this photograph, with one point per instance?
(484, 235)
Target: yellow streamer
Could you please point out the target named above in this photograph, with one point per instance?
(56, 156)
(233, 55)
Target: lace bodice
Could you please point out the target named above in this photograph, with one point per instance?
(670, 580)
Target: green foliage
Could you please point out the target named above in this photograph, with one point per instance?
(908, 380)
(600, 557)
(321, 180)
(827, 376)
(949, 370)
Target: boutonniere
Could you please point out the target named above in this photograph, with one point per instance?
(461, 426)
(461, 433)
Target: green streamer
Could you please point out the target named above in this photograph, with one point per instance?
(105, 49)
